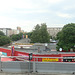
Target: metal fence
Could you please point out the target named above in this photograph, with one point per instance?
(35, 66)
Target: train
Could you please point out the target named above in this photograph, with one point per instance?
(52, 57)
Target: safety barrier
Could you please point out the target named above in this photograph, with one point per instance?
(35, 66)
(50, 66)
(54, 67)
(17, 66)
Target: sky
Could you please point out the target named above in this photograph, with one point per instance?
(28, 13)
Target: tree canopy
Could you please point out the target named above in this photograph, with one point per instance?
(29, 34)
(16, 37)
(66, 37)
(4, 40)
(1, 33)
(40, 34)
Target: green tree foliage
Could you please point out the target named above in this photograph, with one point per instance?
(4, 40)
(20, 35)
(29, 34)
(35, 34)
(40, 34)
(1, 33)
(66, 37)
(16, 37)
(59, 34)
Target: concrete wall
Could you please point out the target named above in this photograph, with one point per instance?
(59, 67)
(16, 66)
(44, 67)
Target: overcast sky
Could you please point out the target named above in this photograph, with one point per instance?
(28, 13)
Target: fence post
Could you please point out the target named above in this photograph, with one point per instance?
(0, 64)
(34, 65)
(29, 66)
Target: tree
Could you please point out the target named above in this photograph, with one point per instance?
(20, 35)
(16, 37)
(29, 34)
(59, 34)
(1, 33)
(66, 37)
(4, 40)
(44, 34)
(35, 34)
(40, 34)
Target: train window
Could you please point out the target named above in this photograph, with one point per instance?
(66, 59)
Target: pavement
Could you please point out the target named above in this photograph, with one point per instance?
(34, 74)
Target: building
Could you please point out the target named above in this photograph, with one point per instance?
(53, 30)
(22, 31)
(5, 30)
(12, 31)
(9, 31)
(19, 28)
(15, 31)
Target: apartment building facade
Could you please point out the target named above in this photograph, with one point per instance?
(53, 31)
(9, 31)
(5, 30)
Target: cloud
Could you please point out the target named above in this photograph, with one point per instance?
(26, 6)
(53, 1)
(33, 11)
(69, 7)
(10, 5)
(26, 25)
(64, 15)
(16, 3)
(28, 13)
(22, 6)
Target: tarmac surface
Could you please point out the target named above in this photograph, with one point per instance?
(35, 74)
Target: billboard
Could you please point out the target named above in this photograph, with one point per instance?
(50, 59)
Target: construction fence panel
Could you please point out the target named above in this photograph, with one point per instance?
(16, 66)
(54, 67)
